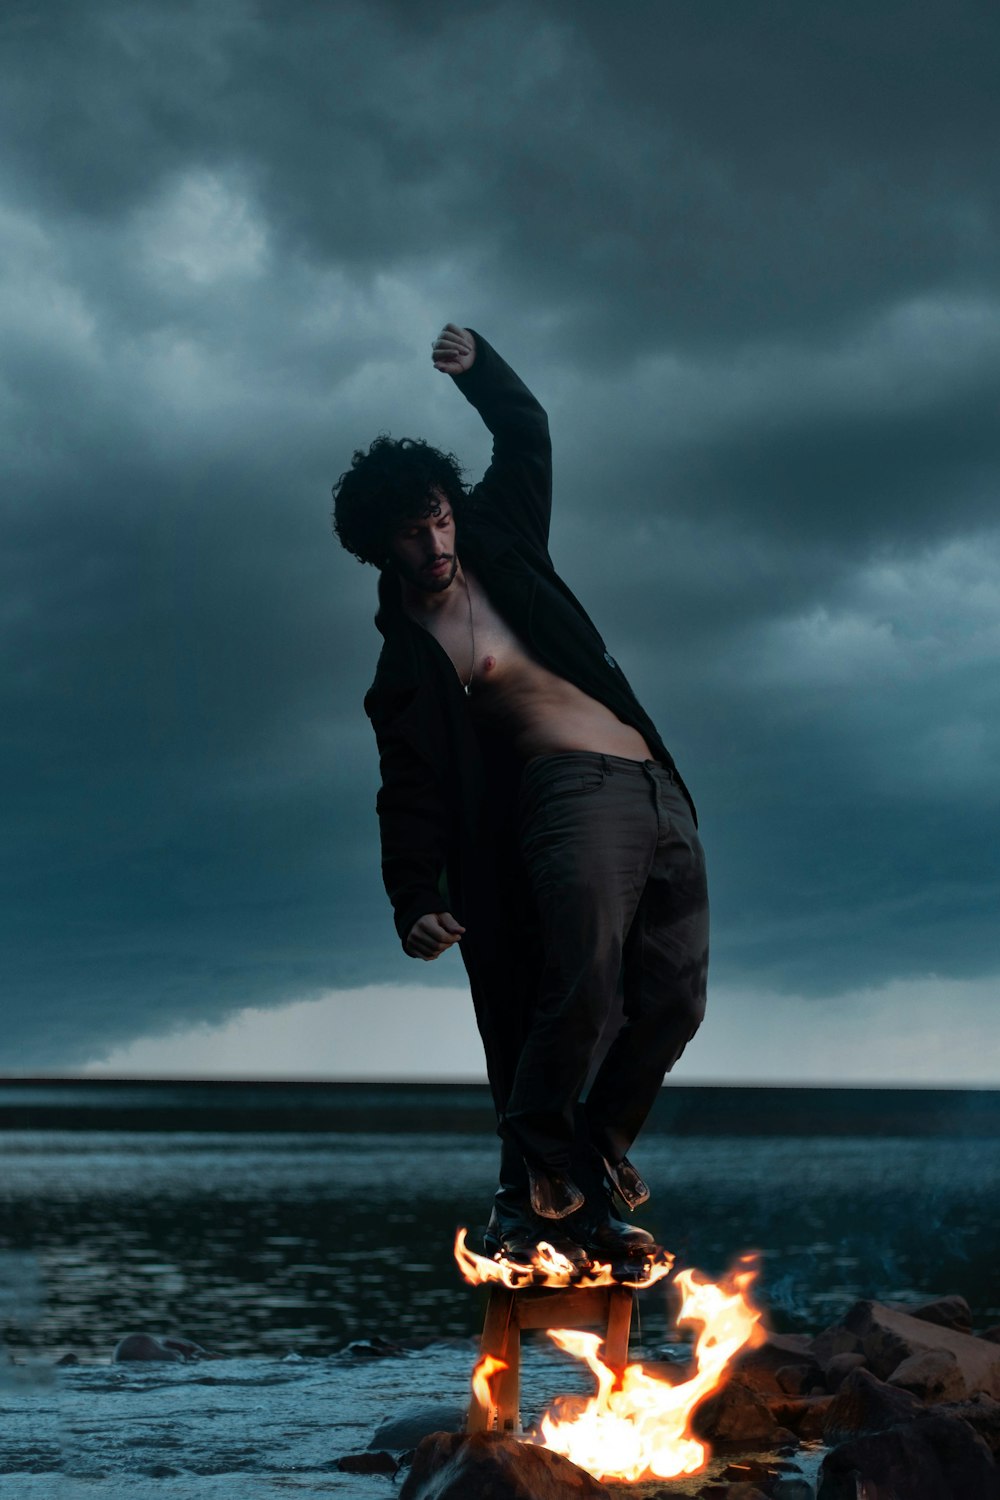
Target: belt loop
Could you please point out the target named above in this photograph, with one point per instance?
(608, 768)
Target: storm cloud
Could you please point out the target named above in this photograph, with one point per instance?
(746, 256)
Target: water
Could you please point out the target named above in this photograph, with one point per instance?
(261, 1243)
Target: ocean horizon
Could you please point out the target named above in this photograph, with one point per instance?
(273, 1218)
(70, 1102)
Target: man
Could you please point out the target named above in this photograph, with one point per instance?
(529, 812)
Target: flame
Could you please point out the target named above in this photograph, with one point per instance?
(549, 1268)
(487, 1367)
(639, 1428)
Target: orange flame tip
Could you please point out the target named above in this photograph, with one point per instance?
(639, 1426)
(482, 1375)
(547, 1268)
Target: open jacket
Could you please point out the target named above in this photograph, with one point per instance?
(446, 805)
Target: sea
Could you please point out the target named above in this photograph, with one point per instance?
(282, 1219)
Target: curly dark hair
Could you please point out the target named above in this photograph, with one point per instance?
(390, 484)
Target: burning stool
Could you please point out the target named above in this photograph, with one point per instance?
(496, 1403)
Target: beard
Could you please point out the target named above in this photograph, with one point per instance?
(429, 583)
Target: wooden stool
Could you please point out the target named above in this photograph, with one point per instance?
(507, 1312)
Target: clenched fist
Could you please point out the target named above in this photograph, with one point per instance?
(454, 350)
(431, 935)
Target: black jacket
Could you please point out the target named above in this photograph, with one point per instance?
(445, 805)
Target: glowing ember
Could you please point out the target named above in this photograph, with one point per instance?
(641, 1428)
(549, 1268)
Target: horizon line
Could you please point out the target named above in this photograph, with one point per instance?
(395, 1081)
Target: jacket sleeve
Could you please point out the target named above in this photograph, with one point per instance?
(414, 826)
(516, 490)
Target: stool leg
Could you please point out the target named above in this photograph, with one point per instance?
(619, 1324)
(495, 1341)
(508, 1386)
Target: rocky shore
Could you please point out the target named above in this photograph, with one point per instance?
(896, 1403)
(890, 1403)
(906, 1401)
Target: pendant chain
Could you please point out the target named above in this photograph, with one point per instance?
(472, 635)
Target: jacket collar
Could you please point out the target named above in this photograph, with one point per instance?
(390, 607)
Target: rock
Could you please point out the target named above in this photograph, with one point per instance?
(68, 1359)
(833, 1341)
(759, 1367)
(804, 1415)
(737, 1414)
(791, 1488)
(367, 1463)
(931, 1458)
(457, 1466)
(751, 1471)
(801, 1380)
(774, 1488)
(866, 1404)
(759, 1379)
(888, 1337)
(949, 1312)
(732, 1492)
(188, 1349)
(728, 1492)
(933, 1376)
(143, 1346)
(413, 1420)
(992, 1335)
(788, 1346)
(840, 1367)
(982, 1414)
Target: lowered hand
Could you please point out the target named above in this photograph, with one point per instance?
(431, 935)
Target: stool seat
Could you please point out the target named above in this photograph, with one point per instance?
(508, 1311)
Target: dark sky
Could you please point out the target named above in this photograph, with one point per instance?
(745, 255)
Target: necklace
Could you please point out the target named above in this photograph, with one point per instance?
(472, 637)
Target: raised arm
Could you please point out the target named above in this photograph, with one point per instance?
(516, 490)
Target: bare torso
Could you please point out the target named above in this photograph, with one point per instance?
(511, 691)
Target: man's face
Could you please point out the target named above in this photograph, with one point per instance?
(423, 548)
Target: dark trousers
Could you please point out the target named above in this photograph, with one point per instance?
(617, 875)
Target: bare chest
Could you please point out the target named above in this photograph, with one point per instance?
(484, 650)
(512, 693)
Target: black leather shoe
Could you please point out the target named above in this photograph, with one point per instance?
(627, 1183)
(519, 1239)
(611, 1238)
(553, 1194)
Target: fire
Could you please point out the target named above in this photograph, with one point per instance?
(640, 1429)
(487, 1367)
(549, 1268)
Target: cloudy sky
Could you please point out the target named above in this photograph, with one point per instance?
(746, 254)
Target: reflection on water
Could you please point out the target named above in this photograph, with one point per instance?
(257, 1244)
